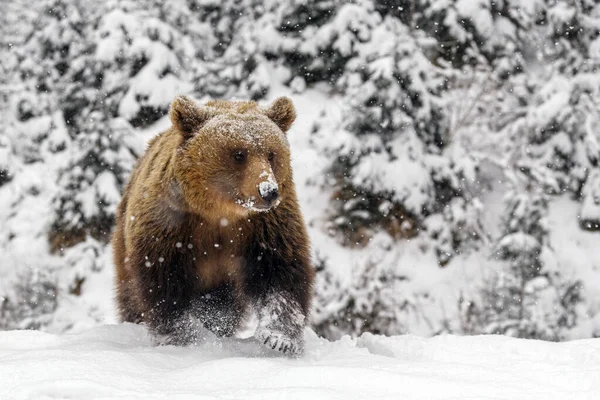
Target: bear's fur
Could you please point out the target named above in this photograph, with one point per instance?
(196, 241)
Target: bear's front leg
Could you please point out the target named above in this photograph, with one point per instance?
(165, 284)
(281, 323)
(278, 277)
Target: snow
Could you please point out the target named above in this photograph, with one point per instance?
(269, 185)
(475, 10)
(250, 205)
(121, 361)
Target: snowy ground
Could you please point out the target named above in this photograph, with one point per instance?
(119, 361)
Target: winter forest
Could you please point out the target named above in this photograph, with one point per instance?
(446, 153)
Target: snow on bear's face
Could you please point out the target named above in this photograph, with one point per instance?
(235, 157)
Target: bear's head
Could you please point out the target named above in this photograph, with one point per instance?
(234, 156)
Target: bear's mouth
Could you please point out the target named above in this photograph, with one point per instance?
(253, 204)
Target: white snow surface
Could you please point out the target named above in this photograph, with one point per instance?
(120, 361)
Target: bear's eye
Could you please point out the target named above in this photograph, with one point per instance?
(239, 156)
(271, 156)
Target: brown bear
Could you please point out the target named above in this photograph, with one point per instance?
(209, 225)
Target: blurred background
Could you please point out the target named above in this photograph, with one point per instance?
(445, 152)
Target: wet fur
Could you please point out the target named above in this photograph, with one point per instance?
(175, 258)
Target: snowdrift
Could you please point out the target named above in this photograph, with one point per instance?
(120, 361)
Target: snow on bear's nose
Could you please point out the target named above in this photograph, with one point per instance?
(268, 192)
(268, 189)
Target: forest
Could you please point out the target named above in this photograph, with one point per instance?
(446, 152)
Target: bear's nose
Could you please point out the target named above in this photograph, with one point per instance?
(268, 192)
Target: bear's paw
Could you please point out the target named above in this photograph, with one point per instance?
(280, 342)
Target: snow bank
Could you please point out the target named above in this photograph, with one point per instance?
(120, 361)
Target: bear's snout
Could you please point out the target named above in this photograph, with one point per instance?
(268, 191)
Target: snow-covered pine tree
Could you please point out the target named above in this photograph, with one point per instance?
(483, 33)
(316, 38)
(232, 65)
(91, 183)
(531, 297)
(33, 303)
(145, 60)
(33, 144)
(571, 35)
(395, 120)
(391, 172)
(545, 121)
(543, 124)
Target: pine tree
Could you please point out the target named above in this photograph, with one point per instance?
(392, 173)
(530, 297)
(317, 38)
(374, 301)
(145, 62)
(33, 303)
(394, 121)
(232, 64)
(91, 183)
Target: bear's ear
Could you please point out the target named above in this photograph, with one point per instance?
(282, 112)
(187, 116)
